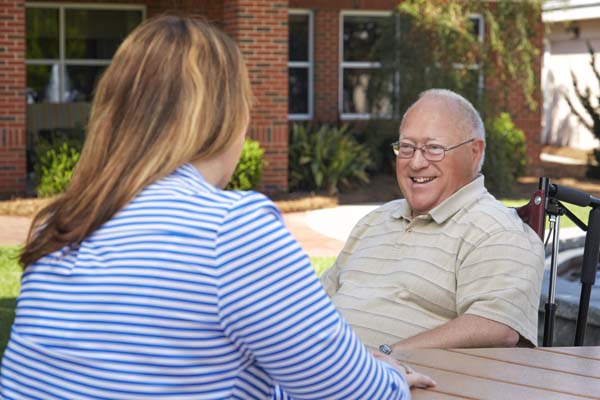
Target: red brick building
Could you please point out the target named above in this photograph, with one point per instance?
(302, 66)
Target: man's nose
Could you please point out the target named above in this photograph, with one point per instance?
(418, 160)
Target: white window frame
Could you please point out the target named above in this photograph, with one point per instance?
(62, 61)
(354, 64)
(305, 64)
(480, 38)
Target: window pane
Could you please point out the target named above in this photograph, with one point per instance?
(366, 93)
(360, 36)
(42, 33)
(298, 37)
(81, 81)
(96, 34)
(40, 83)
(298, 91)
(476, 26)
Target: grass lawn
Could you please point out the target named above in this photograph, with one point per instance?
(9, 290)
(9, 287)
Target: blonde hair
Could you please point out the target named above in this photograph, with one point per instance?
(177, 90)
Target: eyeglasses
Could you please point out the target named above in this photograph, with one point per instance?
(431, 152)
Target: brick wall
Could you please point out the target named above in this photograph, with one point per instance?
(326, 76)
(527, 119)
(12, 98)
(345, 4)
(260, 28)
(326, 64)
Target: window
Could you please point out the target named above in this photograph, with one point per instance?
(359, 83)
(300, 64)
(359, 33)
(474, 84)
(68, 47)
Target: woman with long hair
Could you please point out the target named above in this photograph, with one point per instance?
(146, 280)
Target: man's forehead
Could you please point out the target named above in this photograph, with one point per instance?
(429, 119)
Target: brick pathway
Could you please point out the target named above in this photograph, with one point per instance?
(314, 243)
(13, 231)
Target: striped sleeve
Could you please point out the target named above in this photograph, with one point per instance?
(500, 280)
(273, 308)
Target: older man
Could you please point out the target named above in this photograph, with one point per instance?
(448, 265)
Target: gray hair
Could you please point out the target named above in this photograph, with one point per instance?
(466, 115)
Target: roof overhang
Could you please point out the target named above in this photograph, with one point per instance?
(570, 10)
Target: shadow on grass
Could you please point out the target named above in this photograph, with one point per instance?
(7, 316)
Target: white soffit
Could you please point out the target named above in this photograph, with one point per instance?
(570, 10)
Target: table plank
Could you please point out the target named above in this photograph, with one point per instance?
(470, 387)
(591, 352)
(431, 394)
(554, 361)
(499, 373)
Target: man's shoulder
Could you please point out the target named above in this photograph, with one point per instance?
(488, 210)
(491, 216)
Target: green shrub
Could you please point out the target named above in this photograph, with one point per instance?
(55, 167)
(377, 137)
(248, 172)
(505, 155)
(325, 159)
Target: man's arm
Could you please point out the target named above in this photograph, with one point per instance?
(467, 330)
(498, 286)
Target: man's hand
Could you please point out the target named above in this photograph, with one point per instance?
(413, 378)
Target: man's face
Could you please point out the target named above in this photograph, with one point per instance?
(425, 184)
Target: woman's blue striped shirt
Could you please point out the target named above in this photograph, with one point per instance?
(189, 292)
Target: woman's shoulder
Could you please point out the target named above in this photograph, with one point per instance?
(247, 202)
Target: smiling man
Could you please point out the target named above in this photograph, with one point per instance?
(448, 265)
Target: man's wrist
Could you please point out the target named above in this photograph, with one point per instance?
(385, 349)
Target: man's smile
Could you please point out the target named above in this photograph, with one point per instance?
(422, 179)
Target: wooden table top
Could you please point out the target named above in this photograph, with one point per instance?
(543, 373)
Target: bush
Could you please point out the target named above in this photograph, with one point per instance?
(55, 168)
(248, 172)
(377, 137)
(505, 155)
(325, 159)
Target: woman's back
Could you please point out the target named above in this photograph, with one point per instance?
(188, 292)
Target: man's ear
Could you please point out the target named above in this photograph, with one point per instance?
(477, 151)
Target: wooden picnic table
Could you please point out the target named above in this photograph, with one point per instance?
(543, 373)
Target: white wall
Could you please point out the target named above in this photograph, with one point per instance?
(564, 52)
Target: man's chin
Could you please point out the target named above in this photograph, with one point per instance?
(420, 204)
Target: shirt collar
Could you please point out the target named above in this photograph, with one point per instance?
(193, 176)
(460, 199)
(403, 211)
